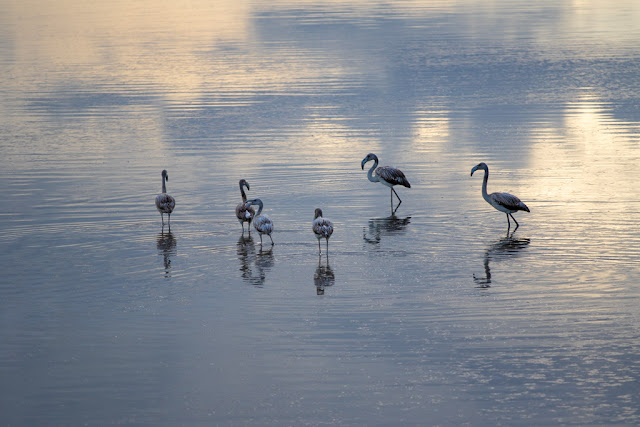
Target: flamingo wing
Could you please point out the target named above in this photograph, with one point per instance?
(322, 227)
(393, 176)
(509, 201)
(243, 213)
(165, 203)
(263, 224)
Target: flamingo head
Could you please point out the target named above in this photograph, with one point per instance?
(369, 157)
(482, 165)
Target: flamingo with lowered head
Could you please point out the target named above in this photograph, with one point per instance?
(262, 223)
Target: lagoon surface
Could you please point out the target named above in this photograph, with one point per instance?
(436, 315)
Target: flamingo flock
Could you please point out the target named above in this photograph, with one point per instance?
(323, 227)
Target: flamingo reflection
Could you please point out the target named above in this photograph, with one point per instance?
(253, 265)
(505, 248)
(166, 244)
(379, 227)
(324, 276)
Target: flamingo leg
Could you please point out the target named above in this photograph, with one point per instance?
(514, 220)
(394, 192)
(319, 250)
(508, 223)
(271, 240)
(162, 217)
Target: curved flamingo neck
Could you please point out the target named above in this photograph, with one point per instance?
(485, 195)
(164, 186)
(244, 196)
(260, 205)
(370, 175)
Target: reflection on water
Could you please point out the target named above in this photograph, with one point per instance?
(253, 265)
(323, 276)
(506, 248)
(166, 244)
(378, 228)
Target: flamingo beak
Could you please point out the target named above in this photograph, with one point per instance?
(475, 168)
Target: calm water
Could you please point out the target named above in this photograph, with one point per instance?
(435, 316)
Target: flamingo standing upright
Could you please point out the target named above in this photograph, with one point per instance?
(243, 213)
(164, 202)
(386, 175)
(322, 228)
(262, 223)
(504, 202)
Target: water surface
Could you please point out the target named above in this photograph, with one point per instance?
(435, 313)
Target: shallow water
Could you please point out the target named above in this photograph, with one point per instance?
(437, 313)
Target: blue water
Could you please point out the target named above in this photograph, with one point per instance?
(435, 315)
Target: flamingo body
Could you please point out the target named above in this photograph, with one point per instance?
(391, 176)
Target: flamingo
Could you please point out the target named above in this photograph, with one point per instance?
(322, 227)
(164, 202)
(262, 223)
(243, 213)
(504, 202)
(386, 175)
